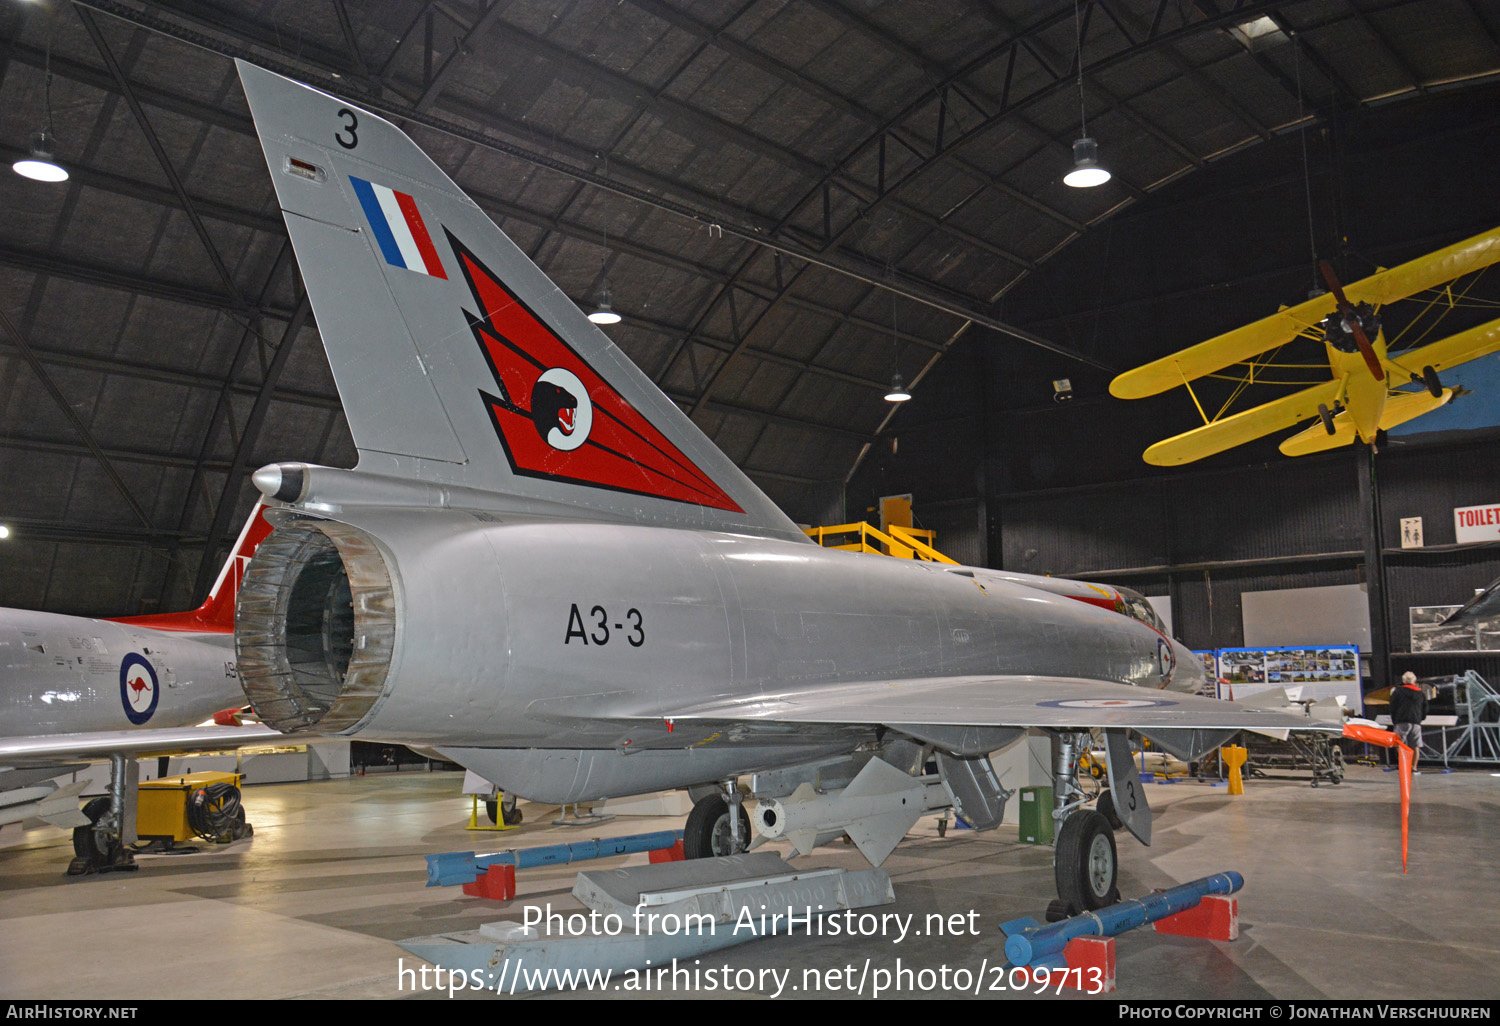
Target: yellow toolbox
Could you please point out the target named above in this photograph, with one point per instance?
(162, 810)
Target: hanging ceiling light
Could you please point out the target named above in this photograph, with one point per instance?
(604, 313)
(38, 165)
(1087, 171)
(898, 392)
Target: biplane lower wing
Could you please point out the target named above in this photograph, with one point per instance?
(1449, 352)
(1244, 427)
(1399, 408)
(1240, 345)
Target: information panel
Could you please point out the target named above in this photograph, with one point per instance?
(1314, 673)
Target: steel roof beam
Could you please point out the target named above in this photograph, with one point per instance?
(28, 353)
(123, 84)
(225, 509)
(92, 274)
(169, 461)
(160, 376)
(850, 264)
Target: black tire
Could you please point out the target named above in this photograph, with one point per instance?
(707, 833)
(1106, 807)
(1433, 383)
(1087, 863)
(1336, 775)
(98, 850)
(1326, 418)
(503, 806)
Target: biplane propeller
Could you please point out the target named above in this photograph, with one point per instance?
(1361, 396)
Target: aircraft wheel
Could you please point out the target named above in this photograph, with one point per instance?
(1434, 385)
(495, 808)
(96, 848)
(1106, 807)
(1086, 862)
(1327, 418)
(1336, 776)
(708, 830)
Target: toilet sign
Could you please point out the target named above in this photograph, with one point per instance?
(1477, 523)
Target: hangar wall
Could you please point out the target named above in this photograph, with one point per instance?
(1062, 488)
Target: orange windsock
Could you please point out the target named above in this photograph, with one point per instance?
(1404, 757)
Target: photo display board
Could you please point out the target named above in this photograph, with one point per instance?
(1320, 671)
(1429, 635)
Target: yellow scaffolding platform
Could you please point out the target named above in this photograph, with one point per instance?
(899, 542)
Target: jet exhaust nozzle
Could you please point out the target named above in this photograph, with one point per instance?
(315, 626)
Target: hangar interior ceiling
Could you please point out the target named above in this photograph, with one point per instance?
(789, 201)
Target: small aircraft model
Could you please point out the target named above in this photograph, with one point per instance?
(541, 568)
(74, 690)
(1363, 395)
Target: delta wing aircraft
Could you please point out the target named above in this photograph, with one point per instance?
(75, 689)
(1364, 394)
(541, 568)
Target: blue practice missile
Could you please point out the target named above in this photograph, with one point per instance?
(461, 867)
(1028, 943)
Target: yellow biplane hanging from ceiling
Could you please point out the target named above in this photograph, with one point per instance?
(1362, 395)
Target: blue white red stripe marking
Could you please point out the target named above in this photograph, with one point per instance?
(398, 228)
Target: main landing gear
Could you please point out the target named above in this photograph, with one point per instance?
(1086, 865)
(103, 845)
(1085, 860)
(504, 805)
(717, 826)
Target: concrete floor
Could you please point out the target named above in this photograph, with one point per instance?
(311, 906)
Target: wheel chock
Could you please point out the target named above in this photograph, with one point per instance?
(1088, 965)
(1216, 917)
(498, 883)
(672, 854)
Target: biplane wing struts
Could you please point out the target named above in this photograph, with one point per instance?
(1364, 393)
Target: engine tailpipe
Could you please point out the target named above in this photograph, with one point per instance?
(315, 627)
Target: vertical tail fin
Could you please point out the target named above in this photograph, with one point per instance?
(216, 615)
(458, 361)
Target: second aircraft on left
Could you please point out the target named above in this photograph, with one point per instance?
(76, 690)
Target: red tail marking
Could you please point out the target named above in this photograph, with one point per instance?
(623, 451)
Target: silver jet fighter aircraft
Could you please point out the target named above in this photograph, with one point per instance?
(74, 689)
(541, 568)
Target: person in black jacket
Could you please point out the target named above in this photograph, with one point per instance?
(1408, 710)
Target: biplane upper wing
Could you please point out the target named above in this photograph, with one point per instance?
(1449, 352)
(1239, 345)
(1243, 427)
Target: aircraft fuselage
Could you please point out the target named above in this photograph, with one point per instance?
(514, 632)
(71, 674)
